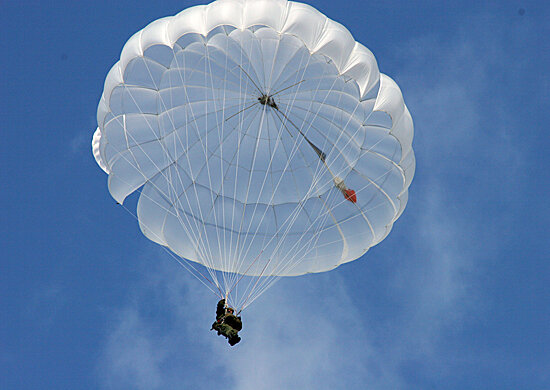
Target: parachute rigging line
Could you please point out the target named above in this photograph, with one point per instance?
(349, 194)
(191, 119)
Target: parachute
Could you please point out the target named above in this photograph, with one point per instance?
(262, 139)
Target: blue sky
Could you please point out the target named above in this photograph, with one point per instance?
(456, 297)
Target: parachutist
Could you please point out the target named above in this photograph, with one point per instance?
(227, 323)
(179, 130)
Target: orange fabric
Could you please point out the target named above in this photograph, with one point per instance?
(350, 195)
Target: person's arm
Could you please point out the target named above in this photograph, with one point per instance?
(220, 309)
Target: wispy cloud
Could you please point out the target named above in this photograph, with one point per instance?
(304, 334)
(133, 355)
(81, 141)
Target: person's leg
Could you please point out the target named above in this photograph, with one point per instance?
(233, 337)
(224, 329)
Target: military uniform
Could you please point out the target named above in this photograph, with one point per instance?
(227, 324)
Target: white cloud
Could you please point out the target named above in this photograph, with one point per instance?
(82, 140)
(304, 334)
(132, 357)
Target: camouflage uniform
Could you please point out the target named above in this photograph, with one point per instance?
(227, 324)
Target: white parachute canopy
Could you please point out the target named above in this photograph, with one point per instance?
(263, 138)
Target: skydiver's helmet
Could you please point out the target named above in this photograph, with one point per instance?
(230, 310)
